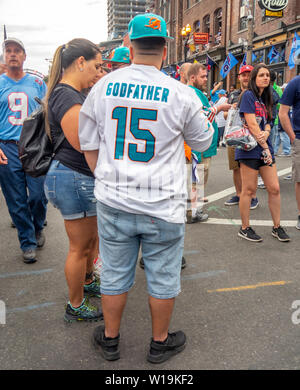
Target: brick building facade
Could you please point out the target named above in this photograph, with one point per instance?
(268, 32)
(226, 22)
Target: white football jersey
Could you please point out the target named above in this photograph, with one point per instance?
(139, 118)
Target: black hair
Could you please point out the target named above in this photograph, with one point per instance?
(266, 96)
(149, 46)
(272, 75)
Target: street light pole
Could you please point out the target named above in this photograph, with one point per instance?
(179, 18)
(250, 31)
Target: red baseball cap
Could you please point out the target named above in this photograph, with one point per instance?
(246, 68)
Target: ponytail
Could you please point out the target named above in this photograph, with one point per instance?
(64, 57)
(54, 78)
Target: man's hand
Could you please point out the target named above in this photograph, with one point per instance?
(224, 107)
(3, 158)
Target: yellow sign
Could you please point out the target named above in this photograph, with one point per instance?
(276, 14)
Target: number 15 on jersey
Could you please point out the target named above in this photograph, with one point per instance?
(120, 114)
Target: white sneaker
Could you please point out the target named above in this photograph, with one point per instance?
(260, 183)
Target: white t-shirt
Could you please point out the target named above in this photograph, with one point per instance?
(139, 118)
(221, 121)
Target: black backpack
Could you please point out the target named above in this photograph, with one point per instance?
(36, 150)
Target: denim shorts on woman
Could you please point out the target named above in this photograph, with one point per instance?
(71, 192)
(122, 234)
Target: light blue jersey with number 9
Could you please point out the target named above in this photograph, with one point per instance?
(17, 103)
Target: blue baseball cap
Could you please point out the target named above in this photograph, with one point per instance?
(221, 92)
(148, 26)
(120, 54)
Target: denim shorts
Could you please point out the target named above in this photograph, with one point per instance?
(71, 192)
(122, 234)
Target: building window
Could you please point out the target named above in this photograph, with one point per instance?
(243, 14)
(276, 54)
(218, 26)
(206, 24)
(197, 26)
(258, 56)
(188, 4)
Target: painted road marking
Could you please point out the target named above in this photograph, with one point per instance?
(31, 307)
(231, 190)
(253, 286)
(25, 273)
(238, 222)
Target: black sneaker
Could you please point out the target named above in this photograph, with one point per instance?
(280, 234)
(249, 234)
(108, 347)
(183, 263)
(162, 351)
(85, 312)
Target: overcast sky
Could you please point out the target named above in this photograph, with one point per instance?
(44, 25)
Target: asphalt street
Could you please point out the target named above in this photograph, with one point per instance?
(238, 304)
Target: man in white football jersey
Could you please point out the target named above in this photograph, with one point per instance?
(132, 129)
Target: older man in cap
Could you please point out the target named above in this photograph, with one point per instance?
(24, 195)
(131, 129)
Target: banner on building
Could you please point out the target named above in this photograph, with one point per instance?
(200, 38)
(272, 14)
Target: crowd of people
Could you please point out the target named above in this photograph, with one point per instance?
(133, 162)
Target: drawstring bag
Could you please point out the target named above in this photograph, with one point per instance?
(236, 134)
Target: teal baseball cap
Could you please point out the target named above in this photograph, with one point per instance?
(120, 54)
(148, 26)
